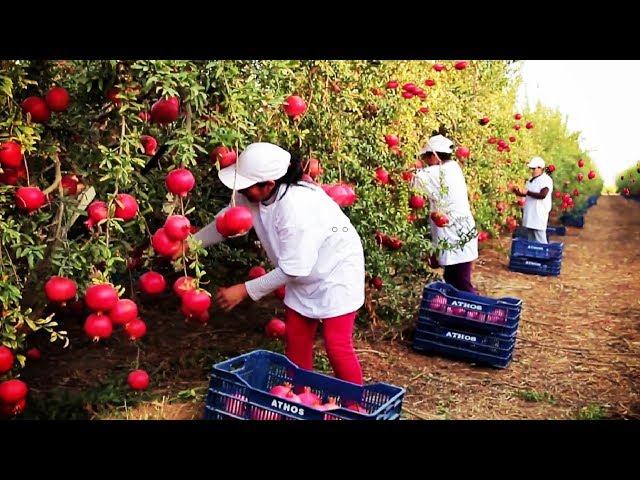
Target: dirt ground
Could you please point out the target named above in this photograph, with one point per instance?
(577, 354)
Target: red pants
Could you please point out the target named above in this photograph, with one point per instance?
(337, 332)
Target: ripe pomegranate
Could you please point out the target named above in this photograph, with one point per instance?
(183, 285)
(12, 409)
(138, 380)
(165, 111)
(113, 94)
(307, 397)
(440, 219)
(281, 390)
(460, 65)
(221, 226)
(135, 329)
(177, 227)
(591, 175)
(225, 156)
(497, 315)
(417, 202)
(409, 87)
(57, 99)
(474, 315)
(149, 144)
(382, 176)
(314, 169)
(342, 194)
(180, 181)
(392, 84)
(196, 301)
(377, 283)
(37, 108)
(123, 312)
(438, 67)
(521, 201)
(501, 206)
(394, 243)
(29, 199)
(6, 359)
(11, 155)
(70, 184)
(163, 245)
(126, 207)
(407, 95)
(492, 140)
(511, 223)
(407, 176)
(60, 289)
(294, 106)
(330, 405)
(551, 168)
(423, 109)
(581, 163)
(97, 212)
(236, 405)
(357, 408)
(429, 82)
(484, 121)
(576, 192)
(144, 116)
(152, 283)
(516, 127)
(12, 391)
(512, 139)
(391, 140)
(235, 221)
(275, 328)
(420, 93)
(280, 292)
(517, 116)
(483, 236)
(101, 297)
(33, 354)
(529, 125)
(463, 152)
(11, 176)
(557, 194)
(98, 326)
(438, 303)
(256, 272)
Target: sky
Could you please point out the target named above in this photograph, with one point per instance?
(600, 98)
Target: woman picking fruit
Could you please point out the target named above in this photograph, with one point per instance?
(451, 221)
(316, 251)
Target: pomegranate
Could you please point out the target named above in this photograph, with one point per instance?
(97, 212)
(357, 408)
(165, 111)
(126, 207)
(280, 292)
(407, 95)
(501, 206)
(260, 413)
(237, 221)
(196, 301)
(236, 405)
(180, 181)
(11, 176)
(113, 94)
(149, 144)
(11, 155)
(225, 156)
(60, 289)
(314, 169)
(382, 176)
(591, 175)
(177, 227)
(12, 391)
(475, 315)
(377, 283)
(557, 194)
(483, 236)
(29, 199)
(421, 93)
(330, 405)
(429, 83)
(497, 315)
(342, 194)
(580, 163)
(521, 201)
(37, 108)
(460, 65)
(407, 176)
(551, 168)
(256, 272)
(183, 285)
(294, 106)
(138, 380)
(440, 219)
(9, 410)
(391, 140)
(281, 390)
(463, 152)
(70, 184)
(275, 328)
(517, 116)
(512, 139)
(221, 226)
(394, 243)
(6, 359)
(123, 312)
(529, 125)
(392, 84)
(135, 329)
(576, 192)
(409, 87)
(516, 127)
(438, 67)
(417, 202)
(492, 140)
(57, 99)
(98, 326)
(424, 110)
(144, 116)
(484, 121)
(163, 245)
(307, 397)
(101, 297)
(152, 283)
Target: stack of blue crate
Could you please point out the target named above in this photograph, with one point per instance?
(536, 258)
(469, 327)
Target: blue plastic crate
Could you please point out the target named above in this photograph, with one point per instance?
(465, 338)
(544, 251)
(424, 345)
(559, 230)
(573, 220)
(239, 389)
(536, 267)
(449, 306)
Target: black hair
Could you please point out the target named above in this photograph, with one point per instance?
(442, 155)
(293, 175)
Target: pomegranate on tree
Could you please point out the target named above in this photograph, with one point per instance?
(6, 359)
(149, 144)
(256, 272)
(224, 156)
(37, 108)
(11, 155)
(163, 245)
(234, 221)
(13, 391)
(97, 212)
(126, 207)
(57, 99)
(276, 328)
(138, 380)
(180, 181)
(123, 312)
(177, 227)
(152, 283)
(135, 329)
(101, 297)
(60, 289)
(183, 285)
(196, 301)
(294, 106)
(29, 199)
(165, 111)
(98, 326)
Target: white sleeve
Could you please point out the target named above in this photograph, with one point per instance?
(209, 234)
(264, 285)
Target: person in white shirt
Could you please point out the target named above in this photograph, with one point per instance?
(538, 194)
(315, 249)
(444, 185)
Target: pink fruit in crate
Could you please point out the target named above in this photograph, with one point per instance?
(497, 315)
(438, 303)
(281, 390)
(460, 311)
(236, 405)
(307, 397)
(473, 315)
(259, 413)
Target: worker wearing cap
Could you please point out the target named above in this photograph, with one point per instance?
(316, 252)
(537, 205)
(443, 183)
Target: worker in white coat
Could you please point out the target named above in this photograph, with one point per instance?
(538, 194)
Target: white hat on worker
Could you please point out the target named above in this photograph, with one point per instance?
(536, 162)
(259, 162)
(438, 143)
